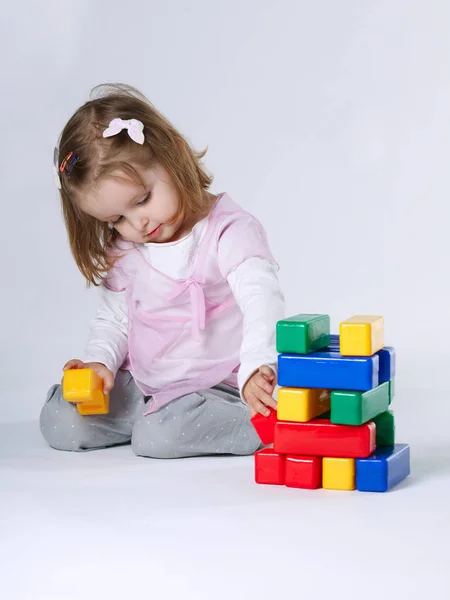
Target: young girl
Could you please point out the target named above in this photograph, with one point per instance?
(184, 337)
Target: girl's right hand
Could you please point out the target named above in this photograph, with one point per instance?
(101, 370)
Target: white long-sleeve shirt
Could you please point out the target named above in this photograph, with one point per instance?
(254, 284)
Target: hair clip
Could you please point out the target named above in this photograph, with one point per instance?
(68, 163)
(55, 168)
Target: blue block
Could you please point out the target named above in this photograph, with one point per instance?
(333, 346)
(328, 370)
(387, 364)
(386, 355)
(386, 467)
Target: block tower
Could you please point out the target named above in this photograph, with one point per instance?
(333, 427)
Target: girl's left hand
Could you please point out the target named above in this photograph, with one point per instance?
(258, 391)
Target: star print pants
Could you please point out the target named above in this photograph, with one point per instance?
(213, 421)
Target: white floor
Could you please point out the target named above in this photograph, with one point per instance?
(107, 525)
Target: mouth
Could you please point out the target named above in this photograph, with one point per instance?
(154, 232)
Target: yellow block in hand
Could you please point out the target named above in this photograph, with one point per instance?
(301, 404)
(85, 388)
(361, 335)
(338, 473)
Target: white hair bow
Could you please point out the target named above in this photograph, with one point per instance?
(134, 127)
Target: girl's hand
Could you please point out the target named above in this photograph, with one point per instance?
(258, 391)
(101, 370)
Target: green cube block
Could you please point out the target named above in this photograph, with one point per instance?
(356, 408)
(385, 425)
(303, 334)
(391, 390)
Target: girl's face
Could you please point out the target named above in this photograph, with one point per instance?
(140, 215)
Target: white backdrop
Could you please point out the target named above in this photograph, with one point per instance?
(329, 120)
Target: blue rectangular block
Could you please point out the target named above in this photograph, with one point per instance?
(386, 467)
(328, 370)
(334, 342)
(386, 356)
(387, 364)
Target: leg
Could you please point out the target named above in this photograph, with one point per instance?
(65, 429)
(214, 421)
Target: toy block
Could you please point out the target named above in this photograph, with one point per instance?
(356, 408)
(385, 424)
(384, 469)
(334, 345)
(303, 472)
(322, 438)
(301, 405)
(328, 370)
(361, 335)
(338, 473)
(303, 333)
(265, 426)
(269, 467)
(391, 390)
(387, 364)
(84, 388)
(386, 356)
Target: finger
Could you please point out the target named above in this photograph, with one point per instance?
(73, 364)
(265, 398)
(262, 383)
(106, 376)
(267, 373)
(257, 405)
(108, 382)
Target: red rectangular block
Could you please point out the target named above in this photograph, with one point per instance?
(265, 426)
(303, 472)
(269, 467)
(320, 437)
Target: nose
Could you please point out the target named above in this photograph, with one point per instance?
(140, 223)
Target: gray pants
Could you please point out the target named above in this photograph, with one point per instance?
(214, 421)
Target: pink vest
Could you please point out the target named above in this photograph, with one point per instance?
(185, 335)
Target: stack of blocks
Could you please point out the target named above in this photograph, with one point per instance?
(333, 427)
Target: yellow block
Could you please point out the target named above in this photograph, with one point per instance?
(85, 388)
(338, 473)
(361, 335)
(301, 404)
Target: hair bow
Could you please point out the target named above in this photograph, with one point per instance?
(134, 127)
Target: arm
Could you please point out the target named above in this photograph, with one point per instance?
(257, 290)
(108, 339)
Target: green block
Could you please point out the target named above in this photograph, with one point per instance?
(391, 390)
(385, 425)
(356, 408)
(303, 334)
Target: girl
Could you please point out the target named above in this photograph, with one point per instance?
(184, 336)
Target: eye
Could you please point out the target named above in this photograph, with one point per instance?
(145, 200)
(117, 221)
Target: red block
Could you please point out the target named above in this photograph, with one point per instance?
(303, 472)
(265, 426)
(269, 467)
(320, 437)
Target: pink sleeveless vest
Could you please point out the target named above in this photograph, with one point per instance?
(185, 335)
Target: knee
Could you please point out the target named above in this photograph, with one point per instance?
(60, 422)
(152, 439)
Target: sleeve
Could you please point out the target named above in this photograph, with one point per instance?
(257, 290)
(108, 339)
(241, 238)
(115, 281)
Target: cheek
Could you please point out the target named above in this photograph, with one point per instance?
(124, 229)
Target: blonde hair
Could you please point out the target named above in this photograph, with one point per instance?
(91, 241)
